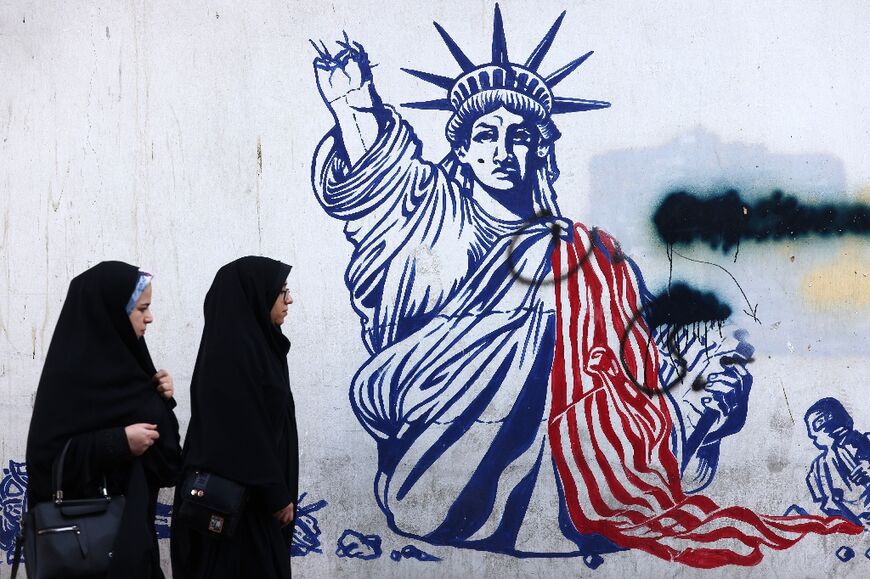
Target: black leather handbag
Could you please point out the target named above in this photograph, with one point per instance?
(211, 504)
(68, 538)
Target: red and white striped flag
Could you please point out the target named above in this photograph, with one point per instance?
(610, 440)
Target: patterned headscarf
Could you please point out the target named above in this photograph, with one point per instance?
(141, 283)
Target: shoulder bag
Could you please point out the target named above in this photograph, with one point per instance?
(68, 538)
(211, 504)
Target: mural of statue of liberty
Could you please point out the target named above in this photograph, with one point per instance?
(507, 342)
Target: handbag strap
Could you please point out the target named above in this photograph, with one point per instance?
(57, 476)
(57, 473)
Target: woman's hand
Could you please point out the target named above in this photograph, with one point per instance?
(285, 515)
(141, 437)
(164, 384)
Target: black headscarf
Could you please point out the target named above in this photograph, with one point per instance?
(241, 425)
(97, 374)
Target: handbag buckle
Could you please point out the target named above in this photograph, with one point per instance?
(216, 524)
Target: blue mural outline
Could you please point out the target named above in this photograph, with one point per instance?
(163, 521)
(413, 552)
(369, 172)
(845, 554)
(839, 476)
(306, 529)
(13, 497)
(355, 545)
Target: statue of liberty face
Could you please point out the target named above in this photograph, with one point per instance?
(501, 150)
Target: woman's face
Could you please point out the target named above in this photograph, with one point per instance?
(141, 316)
(500, 149)
(279, 308)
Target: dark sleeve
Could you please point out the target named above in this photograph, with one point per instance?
(163, 460)
(276, 496)
(278, 493)
(91, 455)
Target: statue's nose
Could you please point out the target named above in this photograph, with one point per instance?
(501, 152)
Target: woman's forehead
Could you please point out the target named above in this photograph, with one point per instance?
(500, 118)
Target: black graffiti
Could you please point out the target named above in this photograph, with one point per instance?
(677, 307)
(682, 305)
(556, 232)
(724, 220)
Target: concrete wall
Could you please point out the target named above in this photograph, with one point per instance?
(179, 136)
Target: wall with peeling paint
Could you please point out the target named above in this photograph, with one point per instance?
(179, 136)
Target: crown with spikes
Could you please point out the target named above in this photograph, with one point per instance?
(502, 74)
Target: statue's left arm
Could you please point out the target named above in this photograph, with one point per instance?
(704, 377)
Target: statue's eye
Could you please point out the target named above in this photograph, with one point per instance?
(522, 137)
(483, 136)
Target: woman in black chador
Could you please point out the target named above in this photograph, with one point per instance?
(100, 390)
(243, 424)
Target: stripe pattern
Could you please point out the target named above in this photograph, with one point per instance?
(610, 440)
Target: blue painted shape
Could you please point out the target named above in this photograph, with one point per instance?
(306, 531)
(412, 552)
(163, 521)
(355, 545)
(839, 476)
(795, 510)
(593, 561)
(845, 554)
(867, 553)
(13, 489)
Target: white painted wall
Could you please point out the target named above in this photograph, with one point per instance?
(178, 136)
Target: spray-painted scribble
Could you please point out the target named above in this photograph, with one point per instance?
(839, 477)
(493, 342)
(724, 220)
(682, 305)
(677, 307)
(306, 532)
(355, 545)
(556, 232)
(412, 552)
(13, 489)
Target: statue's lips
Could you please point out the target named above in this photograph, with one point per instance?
(505, 173)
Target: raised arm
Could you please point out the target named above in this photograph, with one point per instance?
(346, 86)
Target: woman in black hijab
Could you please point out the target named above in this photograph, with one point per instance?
(243, 424)
(100, 390)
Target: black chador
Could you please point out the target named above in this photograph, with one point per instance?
(97, 380)
(242, 425)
